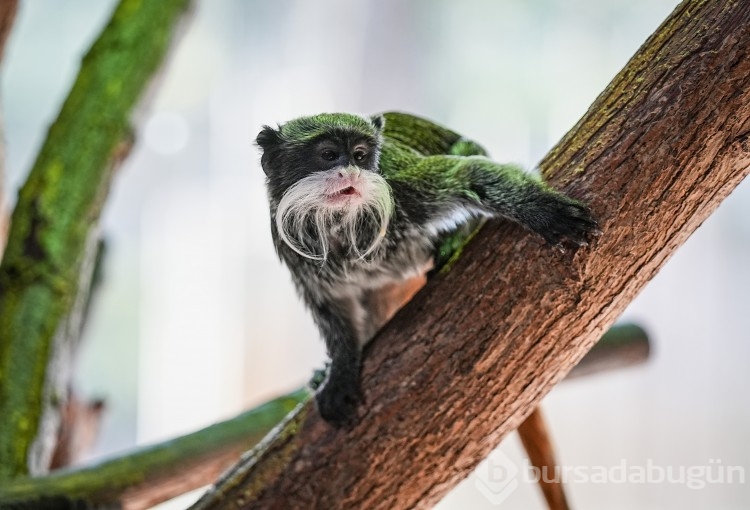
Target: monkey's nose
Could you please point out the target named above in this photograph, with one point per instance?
(350, 171)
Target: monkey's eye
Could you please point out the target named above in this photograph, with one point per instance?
(329, 155)
(360, 156)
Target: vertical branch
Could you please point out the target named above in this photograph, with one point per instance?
(46, 271)
(534, 435)
(8, 9)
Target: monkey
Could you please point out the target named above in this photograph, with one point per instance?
(360, 203)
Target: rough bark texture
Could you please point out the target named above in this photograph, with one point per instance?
(48, 262)
(471, 355)
(151, 475)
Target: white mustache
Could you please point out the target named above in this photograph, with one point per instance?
(305, 203)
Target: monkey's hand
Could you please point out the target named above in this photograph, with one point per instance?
(560, 220)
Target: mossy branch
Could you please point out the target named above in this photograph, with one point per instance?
(55, 220)
(156, 473)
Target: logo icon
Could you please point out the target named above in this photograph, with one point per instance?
(496, 477)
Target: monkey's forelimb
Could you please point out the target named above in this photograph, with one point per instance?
(443, 190)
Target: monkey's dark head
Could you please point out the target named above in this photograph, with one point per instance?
(320, 143)
(324, 182)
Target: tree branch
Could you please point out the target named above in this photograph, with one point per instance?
(472, 355)
(534, 435)
(79, 419)
(49, 258)
(8, 10)
(157, 473)
(160, 472)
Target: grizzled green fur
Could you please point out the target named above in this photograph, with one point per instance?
(442, 187)
(431, 139)
(419, 151)
(304, 129)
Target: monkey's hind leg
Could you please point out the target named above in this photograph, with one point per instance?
(340, 394)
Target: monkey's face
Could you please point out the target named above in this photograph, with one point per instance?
(325, 186)
(344, 173)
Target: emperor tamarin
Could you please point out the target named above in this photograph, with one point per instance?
(360, 203)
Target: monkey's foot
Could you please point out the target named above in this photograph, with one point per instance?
(338, 402)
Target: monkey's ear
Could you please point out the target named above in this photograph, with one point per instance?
(268, 138)
(378, 121)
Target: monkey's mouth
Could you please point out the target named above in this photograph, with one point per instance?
(343, 193)
(347, 191)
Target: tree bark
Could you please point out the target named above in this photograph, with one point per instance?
(46, 271)
(472, 355)
(156, 473)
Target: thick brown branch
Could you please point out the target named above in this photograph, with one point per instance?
(472, 355)
(156, 473)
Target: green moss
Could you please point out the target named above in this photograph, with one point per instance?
(620, 93)
(453, 246)
(106, 481)
(284, 447)
(59, 206)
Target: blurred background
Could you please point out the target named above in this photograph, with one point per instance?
(197, 320)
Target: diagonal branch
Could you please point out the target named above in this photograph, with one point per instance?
(156, 473)
(473, 354)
